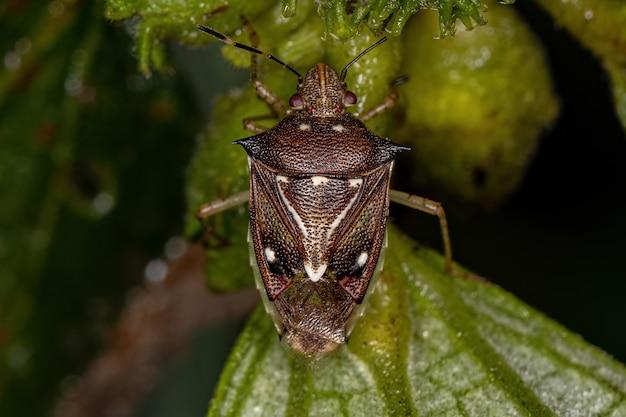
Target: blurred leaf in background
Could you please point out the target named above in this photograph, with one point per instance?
(91, 187)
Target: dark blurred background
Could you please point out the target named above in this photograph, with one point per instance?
(558, 243)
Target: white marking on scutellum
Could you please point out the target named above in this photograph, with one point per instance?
(338, 128)
(355, 182)
(304, 126)
(280, 178)
(314, 273)
(319, 180)
(270, 255)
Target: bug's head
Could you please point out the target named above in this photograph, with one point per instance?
(322, 93)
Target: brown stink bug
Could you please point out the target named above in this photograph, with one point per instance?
(319, 199)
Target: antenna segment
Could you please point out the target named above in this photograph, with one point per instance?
(228, 41)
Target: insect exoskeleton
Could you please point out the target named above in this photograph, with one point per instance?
(319, 200)
(319, 183)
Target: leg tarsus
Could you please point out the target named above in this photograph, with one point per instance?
(431, 207)
(217, 206)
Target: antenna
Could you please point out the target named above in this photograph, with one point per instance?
(344, 71)
(228, 41)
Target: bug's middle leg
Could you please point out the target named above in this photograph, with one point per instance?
(431, 207)
(217, 206)
(273, 101)
(214, 207)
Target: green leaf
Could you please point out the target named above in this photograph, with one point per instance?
(343, 17)
(159, 20)
(428, 345)
(218, 170)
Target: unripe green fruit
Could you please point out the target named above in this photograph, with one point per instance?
(476, 105)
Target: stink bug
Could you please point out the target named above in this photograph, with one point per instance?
(319, 200)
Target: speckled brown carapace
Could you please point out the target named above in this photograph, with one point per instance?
(319, 184)
(302, 144)
(319, 199)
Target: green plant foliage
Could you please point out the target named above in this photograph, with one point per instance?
(371, 76)
(601, 27)
(219, 170)
(428, 345)
(475, 105)
(164, 19)
(343, 18)
(82, 133)
(295, 40)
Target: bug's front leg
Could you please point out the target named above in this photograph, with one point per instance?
(387, 103)
(264, 93)
(217, 206)
(430, 207)
(250, 123)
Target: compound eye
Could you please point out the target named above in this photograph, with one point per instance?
(296, 102)
(349, 99)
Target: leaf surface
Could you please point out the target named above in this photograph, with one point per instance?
(428, 345)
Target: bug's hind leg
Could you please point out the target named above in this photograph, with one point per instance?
(217, 206)
(387, 103)
(431, 207)
(273, 101)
